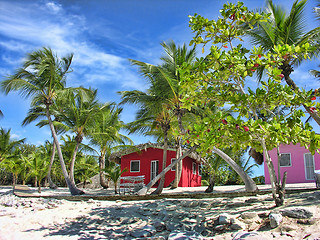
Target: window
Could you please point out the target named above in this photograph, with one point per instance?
(174, 167)
(154, 169)
(200, 169)
(309, 166)
(135, 166)
(194, 168)
(285, 160)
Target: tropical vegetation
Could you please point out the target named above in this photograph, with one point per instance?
(204, 104)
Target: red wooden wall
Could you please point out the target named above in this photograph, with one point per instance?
(188, 179)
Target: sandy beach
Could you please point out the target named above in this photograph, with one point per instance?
(209, 218)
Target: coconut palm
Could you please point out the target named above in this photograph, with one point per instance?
(7, 144)
(164, 90)
(114, 173)
(281, 29)
(39, 164)
(42, 76)
(13, 165)
(153, 113)
(105, 135)
(76, 116)
(85, 168)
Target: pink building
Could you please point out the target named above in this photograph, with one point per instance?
(296, 161)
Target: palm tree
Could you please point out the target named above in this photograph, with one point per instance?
(77, 115)
(163, 98)
(39, 166)
(38, 112)
(13, 165)
(42, 76)
(153, 114)
(114, 172)
(85, 168)
(281, 29)
(105, 134)
(7, 145)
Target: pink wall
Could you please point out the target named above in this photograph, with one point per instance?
(188, 179)
(296, 172)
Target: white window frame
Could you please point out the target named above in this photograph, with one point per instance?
(173, 168)
(194, 168)
(305, 169)
(199, 169)
(131, 165)
(157, 164)
(290, 160)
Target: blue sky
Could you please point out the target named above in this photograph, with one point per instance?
(103, 35)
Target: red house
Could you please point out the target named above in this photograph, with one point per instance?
(146, 160)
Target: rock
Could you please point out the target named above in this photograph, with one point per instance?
(299, 213)
(159, 226)
(220, 228)
(249, 216)
(172, 227)
(146, 231)
(275, 219)
(307, 221)
(152, 205)
(252, 200)
(199, 229)
(249, 236)
(224, 219)
(190, 235)
(140, 233)
(189, 204)
(91, 201)
(237, 225)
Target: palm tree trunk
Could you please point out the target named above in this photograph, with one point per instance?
(250, 185)
(102, 165)
(164, 162)
(73, 160)
(178, 170)
(72, 187)
(277, 193)
(286, 70)
(145, 189)
(52, 185)
(39, 186)
(211, 184)
(35, 181)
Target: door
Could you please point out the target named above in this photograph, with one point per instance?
(154, 169)
(309, 166)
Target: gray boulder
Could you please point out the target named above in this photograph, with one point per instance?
(275, 219)
(299, 213)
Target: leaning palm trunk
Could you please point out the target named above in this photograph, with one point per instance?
(102, 165)
(278, 189)
(164, 163)
(250, 185)
(72, 187)
(52, 185)
(286, 70)
(73, 160)
(145, 189)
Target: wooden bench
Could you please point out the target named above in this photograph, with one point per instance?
(131, 184)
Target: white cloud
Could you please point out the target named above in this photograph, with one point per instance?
(56, 8)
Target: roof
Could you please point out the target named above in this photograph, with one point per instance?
(116, 156)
